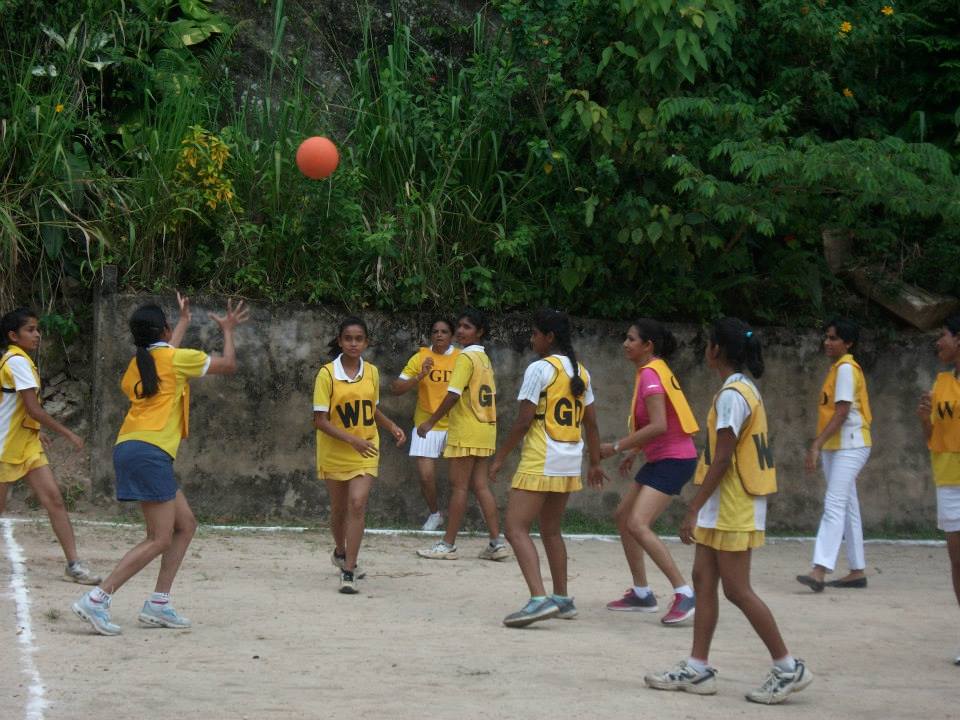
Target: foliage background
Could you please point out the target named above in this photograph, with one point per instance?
(677, 158)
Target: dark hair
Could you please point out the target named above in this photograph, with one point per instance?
(334, 345)
(440, 319)
(477, 318)
(739, 343)
(556, 322)
(847, 330)
(650, 330)
(147, 325)
(952, 324)
(13, 321)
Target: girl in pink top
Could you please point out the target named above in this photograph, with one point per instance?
(657, 430)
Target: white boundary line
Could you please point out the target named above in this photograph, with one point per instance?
(21, 597)
(438, 533)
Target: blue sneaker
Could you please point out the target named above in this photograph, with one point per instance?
(683, 607)
(163, 616)
(97, 614)
(568, 610)
(532, 612)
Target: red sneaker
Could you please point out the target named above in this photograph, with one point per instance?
(682, 607)
(631, 603)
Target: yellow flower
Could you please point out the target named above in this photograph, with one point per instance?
(58, 108)
(887, 10)
(846, 26)
(548, 168)
(847, 92)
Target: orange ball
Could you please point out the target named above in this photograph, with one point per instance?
(317, 157)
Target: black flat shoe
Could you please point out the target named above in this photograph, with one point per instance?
(812, 583)
(855, 583)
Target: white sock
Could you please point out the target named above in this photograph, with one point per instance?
(786, 663)
(642, 592)
(159, 598)
(684, 590)
(698, 665)
(97, 595)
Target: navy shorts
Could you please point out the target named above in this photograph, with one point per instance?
(144, 472)
(668, 475)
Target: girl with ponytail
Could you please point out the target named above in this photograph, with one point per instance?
(661, 427)
(556, 411)
(157, 384)
(22, 446)
(726, 520)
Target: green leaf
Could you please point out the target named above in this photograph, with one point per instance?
(589, 207)
(195, 9)
(654, 231)
(570, 279)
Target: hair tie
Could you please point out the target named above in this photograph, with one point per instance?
(749, 333)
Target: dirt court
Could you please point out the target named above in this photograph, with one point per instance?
(272, 638)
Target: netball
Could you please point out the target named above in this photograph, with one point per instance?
(317, 157)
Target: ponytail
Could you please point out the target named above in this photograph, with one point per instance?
(556, 322)
(650, 330)
(334, 345)
(147, 325)
(12, 322)
(739, 344)
(952, 324)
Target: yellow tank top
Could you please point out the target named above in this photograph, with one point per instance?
(752, 464)
(679, 401)
(944, 442)
(482, 390)
(432, 389)
(152, 413)
(561, 411)
(353, 405)
(826, 409)
(21, 438)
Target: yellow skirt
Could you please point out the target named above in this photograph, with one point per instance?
(457, 451)
(11, 472)
(546, 483)
(345, 475)
(729, 540)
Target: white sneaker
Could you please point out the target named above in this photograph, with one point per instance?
(440, 551)
(338, 561)
(684, 678)
(79, 572)
(495, 552)
(779, 685)
(434, 521)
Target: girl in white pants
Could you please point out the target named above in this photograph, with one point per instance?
(843, 444)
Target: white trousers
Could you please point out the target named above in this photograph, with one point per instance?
(841, 509)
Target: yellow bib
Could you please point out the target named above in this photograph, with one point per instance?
(560, 410)
(679, 401)
(482, 390)
(752, 464)
(945, 414)
(826, 409)
(152, 413)
(433, 388)
(352, 406)
(21, 440)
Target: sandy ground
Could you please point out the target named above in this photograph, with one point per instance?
(272, 638)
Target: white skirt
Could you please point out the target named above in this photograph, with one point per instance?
(431, 446)
(948, 508)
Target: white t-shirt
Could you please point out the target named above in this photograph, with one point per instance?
(559, 459)
(844, 390)
(733, 413)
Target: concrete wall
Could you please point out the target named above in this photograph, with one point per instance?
(251, 452)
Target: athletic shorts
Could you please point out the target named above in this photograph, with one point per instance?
(429, 447)
(11, 472)
(948, 508)
(144, 472)
(668, 475)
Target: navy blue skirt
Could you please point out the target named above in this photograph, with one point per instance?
(668, 475)
(144, 472)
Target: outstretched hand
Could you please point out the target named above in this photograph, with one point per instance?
(236, 315)
(184, 302)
